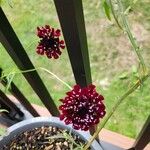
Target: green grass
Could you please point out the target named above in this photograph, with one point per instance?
(2, 131)
(111, 57)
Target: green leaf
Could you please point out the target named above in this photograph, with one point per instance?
(9, 78)
(130, 7)
(107, 9)
(123, 76)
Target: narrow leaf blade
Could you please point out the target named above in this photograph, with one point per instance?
(107, 9)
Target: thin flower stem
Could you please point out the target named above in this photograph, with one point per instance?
(114, 14)
(56, 77)
(39, 68)
(130, 35)
(120, 100)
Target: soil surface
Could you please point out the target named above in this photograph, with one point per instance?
(45, 138)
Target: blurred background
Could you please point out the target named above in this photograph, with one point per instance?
(113, 62)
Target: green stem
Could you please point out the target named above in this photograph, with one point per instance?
(117, 104)
(56, 77)
(3, 110)
(39, 68)
(114, 14)
(130, 35)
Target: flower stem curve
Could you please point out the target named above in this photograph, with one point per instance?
(117, 104)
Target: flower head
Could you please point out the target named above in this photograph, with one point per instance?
(82, 107)
(49, 43)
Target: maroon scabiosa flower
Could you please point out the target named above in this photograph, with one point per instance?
(82, 107)
(49, 43)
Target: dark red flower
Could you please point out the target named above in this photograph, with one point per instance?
(82, 107)
(49, 43)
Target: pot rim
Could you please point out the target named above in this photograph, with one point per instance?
(28, 124)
